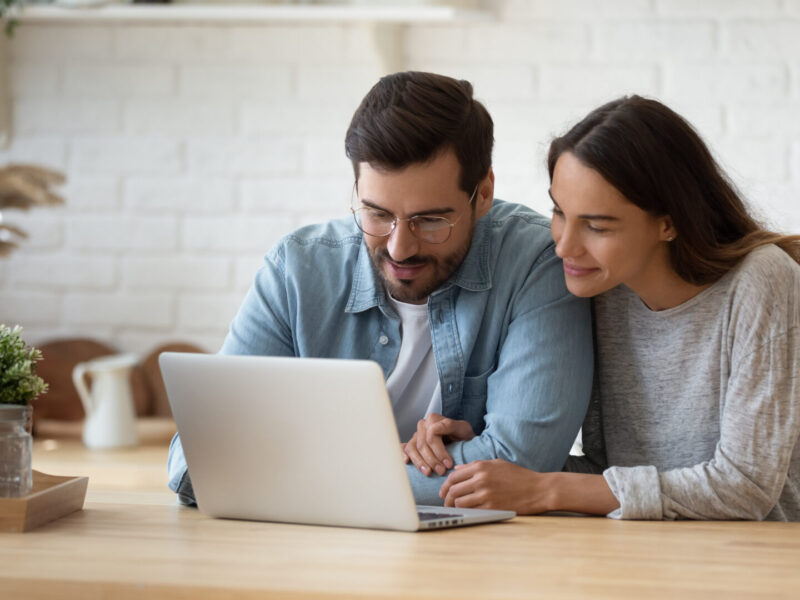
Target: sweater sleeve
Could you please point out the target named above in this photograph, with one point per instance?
(759, 429)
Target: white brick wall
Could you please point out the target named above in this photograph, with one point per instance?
(669, 39)
(191, 149)
(206, 195)
(125, 155)
(242, 156)
(179, 118)
(240, 232)
(148, 311)
(597, 82)
(27, 80)
(715, 81)
(59, 271)
(122, 232)
(512, 42)
(55, 44)
(720, 9)
(41, 149)
(291, 44)
(234, 81)
(795, 167)
(576, 9)
(761, 40)
(297, 195)
(42, 308)
(178, 273)
(89, 194)
(118, 81)
(156, 44)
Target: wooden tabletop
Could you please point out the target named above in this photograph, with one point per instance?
(120, 547)
(132, 550)
(140, 471)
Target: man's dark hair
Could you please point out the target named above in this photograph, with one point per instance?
(412, 117)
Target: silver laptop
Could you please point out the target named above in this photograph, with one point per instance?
(297, 440)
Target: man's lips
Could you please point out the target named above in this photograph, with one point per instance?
(405, 271)
(577, 271)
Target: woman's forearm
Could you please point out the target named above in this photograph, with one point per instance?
(583, 493)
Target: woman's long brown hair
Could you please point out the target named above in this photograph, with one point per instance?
(659, 162)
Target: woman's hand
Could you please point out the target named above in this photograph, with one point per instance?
(498, 484)
(426, 448)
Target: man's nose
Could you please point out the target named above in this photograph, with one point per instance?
(402, 244)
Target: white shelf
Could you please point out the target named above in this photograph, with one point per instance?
(248, 13)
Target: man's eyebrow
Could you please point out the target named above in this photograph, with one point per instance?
(588, 217)
(429, 212)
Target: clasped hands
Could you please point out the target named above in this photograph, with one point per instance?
(426, 448)
(496, 484)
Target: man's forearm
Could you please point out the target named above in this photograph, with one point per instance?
(178, 474)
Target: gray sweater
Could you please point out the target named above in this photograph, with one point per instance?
(697, 408)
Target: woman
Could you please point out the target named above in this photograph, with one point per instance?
(696, 403)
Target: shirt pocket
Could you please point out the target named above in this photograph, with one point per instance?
(473, 400)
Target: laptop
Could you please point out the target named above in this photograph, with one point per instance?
(297, 440)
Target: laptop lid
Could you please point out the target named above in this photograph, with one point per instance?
(297, 440)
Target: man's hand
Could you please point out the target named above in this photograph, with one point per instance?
(498, 484)
(426, 448)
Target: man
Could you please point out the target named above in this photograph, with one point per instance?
(459, 298)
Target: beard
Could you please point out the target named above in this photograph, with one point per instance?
(415, 291)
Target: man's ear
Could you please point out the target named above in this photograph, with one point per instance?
(485, 195)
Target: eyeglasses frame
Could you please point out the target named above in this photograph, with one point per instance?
(452, 224)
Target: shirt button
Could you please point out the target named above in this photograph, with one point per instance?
(383, 340)
(450, 387)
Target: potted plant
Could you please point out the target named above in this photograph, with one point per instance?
(19, 385)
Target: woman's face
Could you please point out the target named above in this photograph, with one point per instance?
(603, 239)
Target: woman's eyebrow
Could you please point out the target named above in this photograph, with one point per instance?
(588, 217)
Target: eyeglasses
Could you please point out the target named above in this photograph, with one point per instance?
(380, 223)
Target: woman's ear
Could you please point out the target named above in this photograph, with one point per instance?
(484, 196)
(667, 229)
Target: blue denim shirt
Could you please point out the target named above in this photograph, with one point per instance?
(512, 347)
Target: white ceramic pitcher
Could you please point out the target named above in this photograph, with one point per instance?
(110, 414)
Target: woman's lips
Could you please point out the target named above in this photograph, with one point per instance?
(576, 271)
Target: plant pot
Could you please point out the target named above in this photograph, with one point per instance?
(16, 451)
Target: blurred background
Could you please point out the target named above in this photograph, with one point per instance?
(192, 141)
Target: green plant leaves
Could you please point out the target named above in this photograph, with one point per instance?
(19, 383)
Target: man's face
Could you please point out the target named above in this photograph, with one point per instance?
(410, 268)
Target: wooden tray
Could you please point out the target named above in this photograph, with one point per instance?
(52, 497)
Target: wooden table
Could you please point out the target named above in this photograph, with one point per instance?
(122, 547)
(139, 471)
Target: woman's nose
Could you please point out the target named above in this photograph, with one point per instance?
(567, 241)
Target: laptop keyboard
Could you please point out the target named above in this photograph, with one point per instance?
(430, 516)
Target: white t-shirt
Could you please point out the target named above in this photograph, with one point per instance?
(414, 383)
